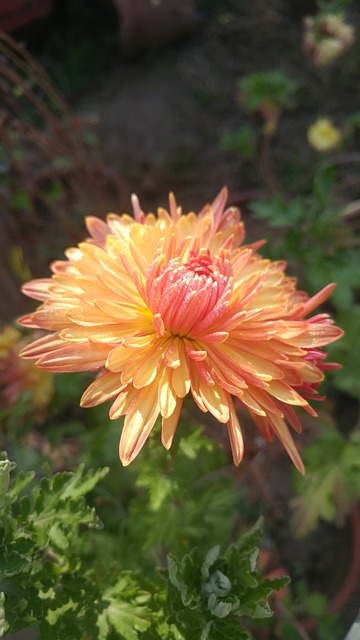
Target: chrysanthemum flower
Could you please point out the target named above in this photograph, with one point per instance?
(18, 376)
(326, 37)
(323, 135)
(170, 305)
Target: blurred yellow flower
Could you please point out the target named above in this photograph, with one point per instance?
(326, 37)
(323, 136)
(18, 375)
(167, 305)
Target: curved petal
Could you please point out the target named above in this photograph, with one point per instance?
(140, 419)
(235, 435)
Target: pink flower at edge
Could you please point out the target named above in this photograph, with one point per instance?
(167, 305)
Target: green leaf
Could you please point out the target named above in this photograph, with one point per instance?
(19, 483)
(3, 624)
(224, 629)
(11, 562)
(331, 484)
(266, 86)
(53, 615)
(221, 587)
(80, 482)
(124, 611)
(5, 467)
(58, 505)
(242, 141)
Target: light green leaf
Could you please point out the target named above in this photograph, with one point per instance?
(128, 618)
(79, 482)
(210, 558)
(53, 615)
(19, 483)
(5, 467)
(3, 623)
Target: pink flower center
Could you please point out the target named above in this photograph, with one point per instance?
(182, 296)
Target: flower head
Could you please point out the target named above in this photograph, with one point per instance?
(167, 305)
(323, 136)
(17, 376)
(326, 37)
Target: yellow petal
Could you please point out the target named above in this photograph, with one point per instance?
(167, 396)
(102, 389)
(42, 346)
(284, 436)
(139, 421)
(169, 425)
(146, 368)
(38, 289)
(123, 401)
(236, 438)
(285, 393)
(118, 357)
(75, 357)
(216, 400)
(181, 375)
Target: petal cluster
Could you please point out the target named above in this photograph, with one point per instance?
(326, 37)
(169, 305)
(323, 135)
(18, 376)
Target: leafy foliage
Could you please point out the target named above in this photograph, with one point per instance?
(266, 87)
(221, 587)
(242, 141)
(185, 496)
(50, 553)
(320, 248)
(302, 603)
(40, 532)
(331, 485)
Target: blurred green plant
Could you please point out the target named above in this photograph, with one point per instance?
(311, 609)
(271, 87)
(267, 93)
(321, 246)
(242, 141)
(331, 486)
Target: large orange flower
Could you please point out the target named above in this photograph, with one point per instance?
(170, 304)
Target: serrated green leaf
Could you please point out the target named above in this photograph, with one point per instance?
(220, 608)
(223, 586)
(185, 575)
(210, 558)
(53, 615)
(59, 506)
(223, 629)
(3, 623)
(11, 562)
(82, 482)
(124, 612)
(19, 482)
(5, 467)
(331, 484)
(58, 537)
